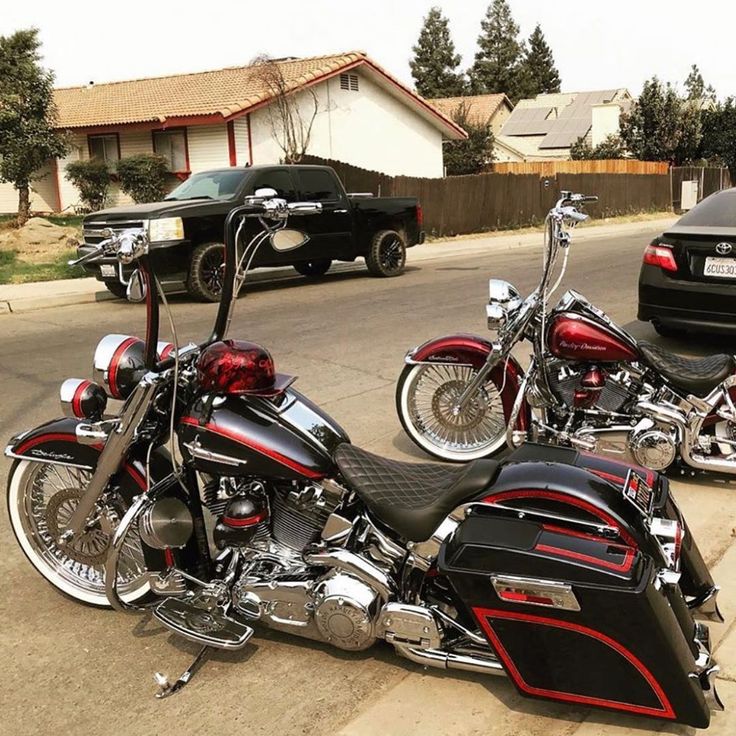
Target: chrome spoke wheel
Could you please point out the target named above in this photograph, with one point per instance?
(429, 404)
(41, 499)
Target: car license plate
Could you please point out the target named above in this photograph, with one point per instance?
(720, 268)
(107, 270)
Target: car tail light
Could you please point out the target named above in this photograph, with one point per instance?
(420, 216)
(660, 255)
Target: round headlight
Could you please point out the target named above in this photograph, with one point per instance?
(503, 293)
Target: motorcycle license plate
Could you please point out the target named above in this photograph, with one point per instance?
(720, 268)
(639, 492)
(107, 270)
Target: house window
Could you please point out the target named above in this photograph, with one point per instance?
(104, 148)
(349, 82)
(172, 145)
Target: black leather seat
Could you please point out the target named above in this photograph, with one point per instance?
(698, 376)
(411, 498)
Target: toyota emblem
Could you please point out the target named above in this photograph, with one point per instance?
(723, 249)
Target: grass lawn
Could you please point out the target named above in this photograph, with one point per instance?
(15, 271)
(63, 220)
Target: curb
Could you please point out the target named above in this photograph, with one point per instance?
(70, 292)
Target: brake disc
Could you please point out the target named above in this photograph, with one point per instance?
(91, 546)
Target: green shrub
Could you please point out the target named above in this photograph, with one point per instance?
(143, 177)
(92, 179)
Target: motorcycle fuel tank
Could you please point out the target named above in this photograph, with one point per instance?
(288, 437)
(580, 338)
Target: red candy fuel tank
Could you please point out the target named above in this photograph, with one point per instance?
(576, 337)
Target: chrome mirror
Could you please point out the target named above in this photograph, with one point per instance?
(266, 193)
(285, 239)
(137, 289)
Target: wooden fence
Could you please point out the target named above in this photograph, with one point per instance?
(552, 168)
(466, 204)
(709, 180)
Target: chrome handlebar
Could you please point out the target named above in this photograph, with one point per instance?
(127, 246)
(276, 208)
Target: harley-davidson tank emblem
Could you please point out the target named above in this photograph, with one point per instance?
(581, 346)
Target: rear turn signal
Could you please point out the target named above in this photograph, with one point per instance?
(420, 216)
(660, 255)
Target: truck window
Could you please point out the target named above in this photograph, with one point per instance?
(317, 185)
(278, 179)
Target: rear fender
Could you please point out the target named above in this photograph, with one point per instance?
(473, 351)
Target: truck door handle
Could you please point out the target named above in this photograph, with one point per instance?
(340, 212)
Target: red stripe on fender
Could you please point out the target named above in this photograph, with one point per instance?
(267, 451)
(607, 476)
(646, 472)
(77, 399)
(624, 566)
(484, 616)
(133, 472)
(563, 498)
(112, 370)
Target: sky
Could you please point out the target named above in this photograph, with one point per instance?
(597, 45)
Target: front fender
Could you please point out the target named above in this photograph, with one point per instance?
(473, 351)
(56, 442)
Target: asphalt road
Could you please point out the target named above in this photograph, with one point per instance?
(70, 669)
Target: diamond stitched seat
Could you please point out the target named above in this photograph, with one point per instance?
(411, 498)
(697, 376)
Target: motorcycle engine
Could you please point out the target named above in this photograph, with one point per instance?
(588, 386)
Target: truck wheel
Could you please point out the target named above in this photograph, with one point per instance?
(387, 254)
(206, 270)
(117, 289)
(315, 268)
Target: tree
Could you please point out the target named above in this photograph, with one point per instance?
(27, 115)
(291, 122)
(497, 66)
(538, 66)
(473, 154)
(695, 88)
(611, 147)
(660, 126)
(143, 177)
(435, 63)
(92, 179)
(718, 144)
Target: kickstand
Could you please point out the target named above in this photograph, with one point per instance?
(165, 686)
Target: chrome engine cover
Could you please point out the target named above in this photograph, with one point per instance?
(346, 612)
(653, 446)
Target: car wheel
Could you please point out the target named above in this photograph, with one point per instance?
(206, 271)
(313, 269)
(387, 254)
(117, 289)
(666, 331)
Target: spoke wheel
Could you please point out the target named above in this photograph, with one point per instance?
(387, 255)
(427, 397)
(41, 500)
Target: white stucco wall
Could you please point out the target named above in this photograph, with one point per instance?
(43, 193)
(605, 122)
(207, 147)
(368, 128)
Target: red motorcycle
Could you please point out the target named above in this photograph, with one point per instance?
(590, 384)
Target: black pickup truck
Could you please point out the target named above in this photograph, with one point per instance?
(186, 228)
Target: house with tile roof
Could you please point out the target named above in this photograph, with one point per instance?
(544, 128)
(364, 116)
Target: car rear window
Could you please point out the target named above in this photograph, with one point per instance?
(317, 185)
(718, 210)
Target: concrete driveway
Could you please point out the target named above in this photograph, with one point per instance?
(69, 669)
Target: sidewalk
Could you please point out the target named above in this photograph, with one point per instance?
(19, 298)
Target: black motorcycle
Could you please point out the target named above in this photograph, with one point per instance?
(220, 498)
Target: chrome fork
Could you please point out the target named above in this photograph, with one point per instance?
(117, 444)
(494, 357)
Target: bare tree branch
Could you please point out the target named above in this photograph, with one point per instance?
(291, 128)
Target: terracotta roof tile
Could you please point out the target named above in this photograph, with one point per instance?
(481, 108)
(225, 92)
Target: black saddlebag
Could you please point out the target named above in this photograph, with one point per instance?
(580, 618)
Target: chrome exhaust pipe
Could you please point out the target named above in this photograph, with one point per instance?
(342, 559)
(450, 661)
